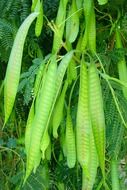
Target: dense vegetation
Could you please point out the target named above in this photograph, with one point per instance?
(63, 94)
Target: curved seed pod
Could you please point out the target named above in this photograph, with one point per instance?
(28, 128)
(45, 143)
(14, 66)
(97, 114)
(79, 45)
(63, 140)
(37, 161)
(41, 116)
(62, 68)
(59, 79)
(83, 122)
(60, 23)
(28, 134)
(87, 10)
(34, 3)
(102, 2)
(89, 180)
(73, 70)
(70, 141)
(39, 81)
(69, 78)
(32, 109)
(122, 67)
(72, 24)
(58, 111)
(60, 15)
(89, 38)
(39, 92)
(39, 77)
(39, 21)
(92, 31)
(114, 175)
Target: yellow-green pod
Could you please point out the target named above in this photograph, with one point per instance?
(44, 143)
(122, 67)
(59, 24)
(88, 181)
(89, 37)
(83, 122)
(115, 174)
(28, 130)
(70, 141)
(39, 21)
(58, 111)
(14, 66)
(92, 31)
(73, 70)
(72, 25)
(97, 114)
(41, 116)
(34, 3)
(63, 141)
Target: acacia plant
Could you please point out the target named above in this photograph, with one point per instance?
(68, 108)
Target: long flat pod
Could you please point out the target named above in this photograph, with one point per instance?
(62, 69)
(60, 23)
(39, 77)
(72, 71)
(45, 141)
(92, 30)
(58, 111)
(59, 78)
(88, 181)
(70, 141)
(114, 174)
(83, 123)
(28, 127)
(39, 21)
(41, 115)
(89, 38)
(86, 149)
(53, 80)
(34, 3)
(87, 11)
(97, 114)
(32, 109)
(14, 66)
(122, 67)
(72, 25)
